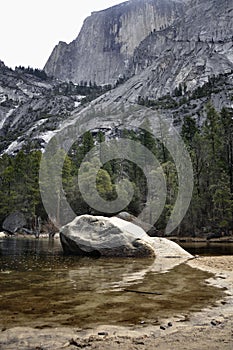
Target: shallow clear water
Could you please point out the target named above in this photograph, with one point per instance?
(41, 287)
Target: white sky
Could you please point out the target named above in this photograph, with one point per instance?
(29, 29)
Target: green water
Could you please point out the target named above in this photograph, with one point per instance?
(41, 287)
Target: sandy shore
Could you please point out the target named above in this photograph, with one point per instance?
(209, 329)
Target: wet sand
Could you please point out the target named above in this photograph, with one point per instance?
(212, 328)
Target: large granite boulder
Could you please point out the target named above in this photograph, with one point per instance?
(131, 218)
(108, 237)
(115, 237)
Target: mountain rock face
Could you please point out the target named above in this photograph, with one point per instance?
(182, 41)
(32, 106)
(105, 46)
(170, 54)
(194, 48)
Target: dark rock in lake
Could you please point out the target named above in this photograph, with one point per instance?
(14, 222)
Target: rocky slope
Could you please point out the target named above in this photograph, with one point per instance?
(27, 103)
(33, 106)
(195, 47)
(174, 56)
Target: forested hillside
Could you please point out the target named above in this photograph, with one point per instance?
(211, 149)
(153, 60)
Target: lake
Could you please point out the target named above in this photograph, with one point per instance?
(41, 287)
(208, 248)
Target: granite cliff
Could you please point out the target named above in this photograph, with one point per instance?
(173, 55)
(181, 40)
(106, 43)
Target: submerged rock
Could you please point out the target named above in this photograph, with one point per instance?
(101, 236)
(164, 248)
(114, 237)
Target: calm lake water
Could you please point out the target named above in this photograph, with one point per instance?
(207, 249)
(41, 287)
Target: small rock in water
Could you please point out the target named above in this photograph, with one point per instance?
(139, 342)
(216, 322)
(103, 333)
(76, 343)
(221, 276)
(163, 328)
(169, 324)
(78, 329)
(184, 318)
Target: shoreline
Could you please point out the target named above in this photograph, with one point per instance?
(210, 328)
(176, 239)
